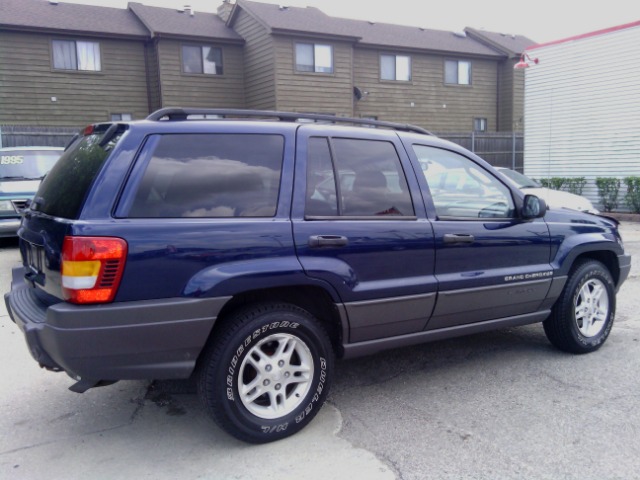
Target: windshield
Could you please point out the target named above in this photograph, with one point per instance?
(27, 164)
(522, 180)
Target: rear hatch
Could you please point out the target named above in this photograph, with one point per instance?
(58, 203)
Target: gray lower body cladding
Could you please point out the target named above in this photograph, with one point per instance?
(162, 339)
(131, 340)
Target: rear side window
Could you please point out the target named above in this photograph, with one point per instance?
(355, 178)
(63, 190)
(211, 175)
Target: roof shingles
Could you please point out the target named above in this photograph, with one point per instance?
(400, 36)
(139, 21)
(312, 21)
(143, 21)
(510, 44)
(167, 21)
(42, 15)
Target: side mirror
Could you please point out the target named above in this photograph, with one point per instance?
(533, 207)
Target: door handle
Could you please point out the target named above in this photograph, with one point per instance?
(328, 241)
(458, 238)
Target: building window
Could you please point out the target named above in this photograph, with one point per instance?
(479, 124)
(121, 117)
(314, 58)
(395, 67)
(202, 59)
(457, 72)
(76, 55)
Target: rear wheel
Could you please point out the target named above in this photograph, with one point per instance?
(582, 317)
(266, 373)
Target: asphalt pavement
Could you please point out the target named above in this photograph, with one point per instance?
(500, 405)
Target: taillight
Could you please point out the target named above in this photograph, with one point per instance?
(92, 268)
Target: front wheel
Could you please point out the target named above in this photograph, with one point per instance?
(582, 317)
(266, 373)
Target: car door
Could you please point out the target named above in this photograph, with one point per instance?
(360, 225)
(489, 262)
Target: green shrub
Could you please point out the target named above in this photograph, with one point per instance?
(608, 189)
(576, 184)
(554, 183)
(632, 197)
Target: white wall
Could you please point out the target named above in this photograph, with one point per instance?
(582, 109)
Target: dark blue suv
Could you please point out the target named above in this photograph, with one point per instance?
(251, 253)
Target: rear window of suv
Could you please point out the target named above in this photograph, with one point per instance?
(211, 175)
(63, 190)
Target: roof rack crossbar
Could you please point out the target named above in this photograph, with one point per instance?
(172, 113)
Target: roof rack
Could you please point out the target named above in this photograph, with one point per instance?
(184, 113)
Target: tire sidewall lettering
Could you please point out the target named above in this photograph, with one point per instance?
(231, 382)
(604, 333)
(318, 391)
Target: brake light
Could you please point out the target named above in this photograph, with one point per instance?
(92, 268)
(88, 130)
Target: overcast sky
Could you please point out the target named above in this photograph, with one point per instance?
(540, 20)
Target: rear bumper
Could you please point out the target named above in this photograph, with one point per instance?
(151, 339)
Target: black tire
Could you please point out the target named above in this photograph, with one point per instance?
(265, 347)
(589, 293)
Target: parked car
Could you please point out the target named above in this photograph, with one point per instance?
(553, 198)
(248, 254)
(21, 169)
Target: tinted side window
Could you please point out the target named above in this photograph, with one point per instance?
(460, 188)
(211, 175)
(321, 198)
(371, 179)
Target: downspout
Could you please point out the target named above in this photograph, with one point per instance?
(498, 99)
(156, 52)
(147, 71)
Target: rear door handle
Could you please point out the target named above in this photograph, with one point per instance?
(458, 238)
(328, 241)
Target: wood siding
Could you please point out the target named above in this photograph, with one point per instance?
(259, 59)
(505, 98)
(426, 100)
(28, 82)
(582, 107)
(314, 92)
(200, 90)
(517, 106)
(510, 97)
(142, 76)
